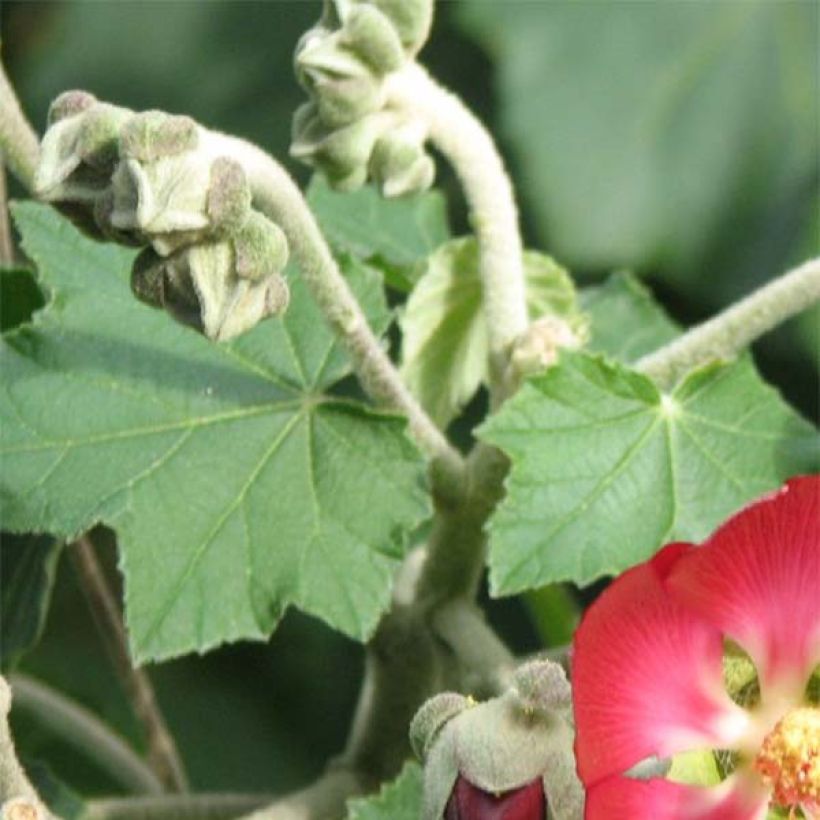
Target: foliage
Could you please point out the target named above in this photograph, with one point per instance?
(607, 469)
(399, 800)
(114, 408)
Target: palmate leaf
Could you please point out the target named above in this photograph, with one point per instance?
(444, 348)
(606, 468)
(625, 321)
(396, 234)
(235, 484)
(399, 800)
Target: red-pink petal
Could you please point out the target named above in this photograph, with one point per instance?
(757, 579)
(619, 798)
(647, 676)
(468, 802)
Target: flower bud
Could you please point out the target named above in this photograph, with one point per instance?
(79, 149)
(68, 104)
(511, 754)
(260, 247)
(371, 35)
(399, 163)
(151, 135)
(537, 349)
(221, 288)
(343, 86)
(342, 155)
(412, 20)
(542, 686)
(431, 718)
(170, 186)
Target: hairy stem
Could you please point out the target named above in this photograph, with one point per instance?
(19, 144)
(464, 141)
(85, 732)
(216, 806)
(736, 327)
(278, 196)
(6, 245)
(14, 785)
(163, 756)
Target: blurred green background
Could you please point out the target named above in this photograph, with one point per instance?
(678, 139)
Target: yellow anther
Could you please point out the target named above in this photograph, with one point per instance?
(789, 760)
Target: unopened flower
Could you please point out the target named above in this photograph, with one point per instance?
(649, 683)
(222, 288)
(169, 176)
(510, 757)
(79, 149)
(348, 131)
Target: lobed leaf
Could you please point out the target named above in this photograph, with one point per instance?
(625, 321)
(237, 485)
(399, 800)
(396, 234)
(606, 468)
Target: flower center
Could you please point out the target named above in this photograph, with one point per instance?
(789, 760)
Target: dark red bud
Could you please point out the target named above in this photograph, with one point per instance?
(468, 802)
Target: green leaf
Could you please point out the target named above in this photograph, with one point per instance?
(444, 356)
(399, 800)
(606, 469)
(615, 136)
(625, 321)
(395, 234)
(235, 484)
(29, 564)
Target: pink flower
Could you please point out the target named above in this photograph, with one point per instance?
(648, 680)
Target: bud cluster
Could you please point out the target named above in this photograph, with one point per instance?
(510, 756)
(162, 182)
(348, 130)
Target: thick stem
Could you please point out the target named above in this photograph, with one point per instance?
(736, 327)
(174, 807)
(83, 730)
(14, 785)
(464, 141)
(278, 196)
(19, 144)
(163, 756)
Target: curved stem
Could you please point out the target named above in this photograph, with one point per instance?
(19, 144)
(464, 141)
(174, 807)
(163, 756)
(86, 732)
(278, 196)
(736, 327)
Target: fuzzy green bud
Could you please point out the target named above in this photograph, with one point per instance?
(505, 745)
(68, 104)
(199, 286)
(151, 135)
(343, 154)
(371, 35)
(79, 150)
(431, 719)
(399, 163)
(228, 201)
(260, 247)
